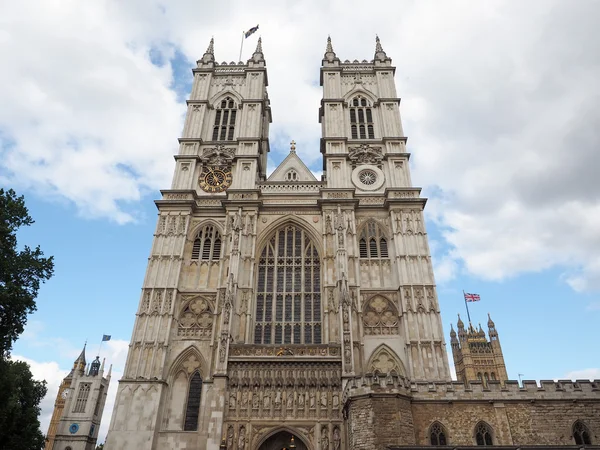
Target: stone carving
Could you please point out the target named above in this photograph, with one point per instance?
(324, 438)
(232, 400)
(196, 319)
(191, 364)
(242, 438)
(218, 156)
(230, 436)
(297, 350)
(380, 317)
(337, 440)
(384, 361)
(365, 154)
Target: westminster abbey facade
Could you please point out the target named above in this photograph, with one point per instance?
(284, 311)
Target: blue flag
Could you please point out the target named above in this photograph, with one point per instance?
(251, 31)
(105, 337)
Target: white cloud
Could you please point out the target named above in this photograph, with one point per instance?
(593, 306)
(583, 374)
(500, 101)
(115, 352)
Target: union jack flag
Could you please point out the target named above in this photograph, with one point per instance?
(472, 297)
(251, 31)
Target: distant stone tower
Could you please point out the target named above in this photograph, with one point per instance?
(476, 358)
(78, 408)
(63, 392)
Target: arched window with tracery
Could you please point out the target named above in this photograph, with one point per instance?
(437, 434)
(192, 408)
(207, 244)
(483, 434)
(373, 243)
(225, 120)
(288, 292)
(581, 434)
(361, 118)
(291, 175)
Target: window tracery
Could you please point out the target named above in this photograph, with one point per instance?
(291, 175)
(361, 118)
(196, 319)
(225, 120)
(373, 243)
(581, 434)
(437, 434)
(207, 244)
(385, 361)
(483, 434)
(288, 300)
(380, 317)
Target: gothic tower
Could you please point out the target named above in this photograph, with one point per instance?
(81, 398)
(476, 358)
(266, 301)
(63, 392)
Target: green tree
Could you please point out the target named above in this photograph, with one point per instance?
(21, 272)
(20, 396)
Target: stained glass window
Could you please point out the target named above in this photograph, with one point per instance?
(483, 434)
(289, 268)
(437, 434)
(581, 434)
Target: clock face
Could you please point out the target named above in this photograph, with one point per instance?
(65, 394)
(74, 428)
(215, 180)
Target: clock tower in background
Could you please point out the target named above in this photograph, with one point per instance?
(79, 406)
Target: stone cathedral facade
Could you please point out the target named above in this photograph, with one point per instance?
(290, 312)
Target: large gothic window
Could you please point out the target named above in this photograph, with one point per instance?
(581, 434)
(288, 293)
(207, 244)
(437, 434)
(372, 243)
(483, 434)
(361, 118)
(192, 409)
(225, 120)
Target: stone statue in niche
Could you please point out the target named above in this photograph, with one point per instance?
(267, 400)
(337, 440)
(328, 228)
(324, 438)
(245, 399)
(290, 399)
(232, 400)
(312, 400)
(242, 438)
(301, 400)
(255, 400)
(230, 436)
(278, 399)
(335, 401)
(323, 399)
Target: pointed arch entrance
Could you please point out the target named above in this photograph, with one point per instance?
(283, 439)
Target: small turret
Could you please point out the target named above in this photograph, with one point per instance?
(79, 364)
(453, 341)
(329, 53)
(258, 56)
(94, 367)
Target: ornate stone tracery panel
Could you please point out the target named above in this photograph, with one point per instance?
(385, 361)
(196, 318)
(380, 316)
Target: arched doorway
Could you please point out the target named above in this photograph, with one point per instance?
(283, 440)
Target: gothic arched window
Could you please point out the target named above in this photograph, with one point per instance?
(291, 175)
(207, 244)
(483, 434)
(225, 120)
(581, 434)
(361, 118)
(192, 409)
(437, 434)
(372, 243)
(288, 292)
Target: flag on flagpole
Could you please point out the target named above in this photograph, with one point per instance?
(105, 337)
(251, 31)
(472, 297)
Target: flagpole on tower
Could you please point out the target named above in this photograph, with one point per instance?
(467, 306)
(242, 45)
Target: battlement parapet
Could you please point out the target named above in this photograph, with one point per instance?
(530, 390)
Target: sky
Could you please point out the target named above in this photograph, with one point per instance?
(500, 101)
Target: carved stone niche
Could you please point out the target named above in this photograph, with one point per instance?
(196, 318)
(380, 316)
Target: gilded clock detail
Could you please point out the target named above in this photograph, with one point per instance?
(215, 179)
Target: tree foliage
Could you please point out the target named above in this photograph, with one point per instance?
(21, 271)
(20, 397)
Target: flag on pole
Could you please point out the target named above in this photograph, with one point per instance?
(472, 297)
(105, 337)
(251, 31)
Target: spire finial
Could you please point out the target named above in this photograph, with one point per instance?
(259, 45)
(378, 47)
(329, 48)
(209, 54)
(211, 47)
(293, 146)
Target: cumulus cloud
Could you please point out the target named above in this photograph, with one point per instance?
(115, 352)
(583, 374)
(499, 98)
